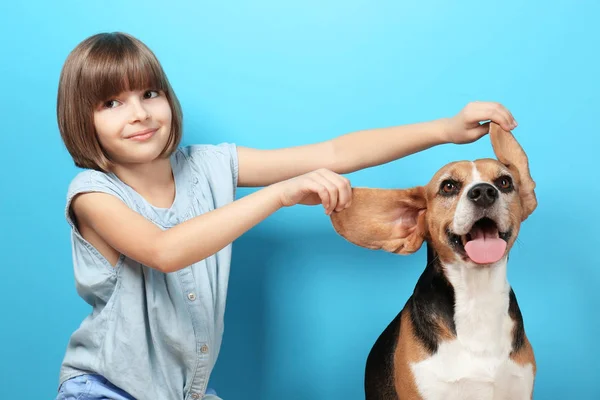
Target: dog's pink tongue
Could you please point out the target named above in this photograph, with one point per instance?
(485, 248)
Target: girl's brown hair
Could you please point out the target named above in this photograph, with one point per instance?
(101, 67)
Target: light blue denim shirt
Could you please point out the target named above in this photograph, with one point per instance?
(155, 335)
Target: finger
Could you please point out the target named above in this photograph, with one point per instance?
(512, 123)
(326, 181)
(481, 130)
(345, 194)
(500, 115)
(488, 111)
(318, 188)
(329, 200)
(344, 190)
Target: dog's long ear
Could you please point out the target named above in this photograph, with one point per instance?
(388, 219)
(509, 152)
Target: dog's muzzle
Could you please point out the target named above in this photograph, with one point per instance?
(482, 233)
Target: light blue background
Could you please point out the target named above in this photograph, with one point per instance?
(305, 306)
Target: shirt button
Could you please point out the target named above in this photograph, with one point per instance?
(195, 396)
(192, 296)
(204, 348)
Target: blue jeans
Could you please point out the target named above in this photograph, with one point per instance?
(96, 387)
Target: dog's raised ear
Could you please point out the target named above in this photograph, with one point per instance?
(388, 219)
(511, 154)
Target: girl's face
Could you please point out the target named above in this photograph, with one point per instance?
(133, 128)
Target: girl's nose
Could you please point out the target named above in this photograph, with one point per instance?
(138, 112)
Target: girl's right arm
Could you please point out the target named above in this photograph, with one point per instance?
(112, 227)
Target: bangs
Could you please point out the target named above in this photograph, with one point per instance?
(117, 64)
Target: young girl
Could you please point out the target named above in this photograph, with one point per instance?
(152, 222)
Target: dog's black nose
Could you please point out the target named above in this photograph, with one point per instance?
(483, 194)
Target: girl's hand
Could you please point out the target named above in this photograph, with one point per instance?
(465, 127)
(318, 187)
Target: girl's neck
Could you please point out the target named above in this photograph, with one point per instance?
(153, 181)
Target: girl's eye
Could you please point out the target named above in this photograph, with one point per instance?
(149, 94)
(110, 103)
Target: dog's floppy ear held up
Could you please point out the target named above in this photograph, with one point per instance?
(388, 219)
(511, 154)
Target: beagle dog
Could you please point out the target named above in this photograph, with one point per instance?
(460, 335)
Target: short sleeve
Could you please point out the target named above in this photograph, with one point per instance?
(218, 166)
(90, 181)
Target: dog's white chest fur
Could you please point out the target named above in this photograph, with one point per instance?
(476, 366)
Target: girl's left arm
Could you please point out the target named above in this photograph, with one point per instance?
(368, 148)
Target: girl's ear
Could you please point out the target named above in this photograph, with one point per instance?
(388, 219)
(509, 152)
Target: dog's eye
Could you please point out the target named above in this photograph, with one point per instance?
(504, 183)
(449, 187)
